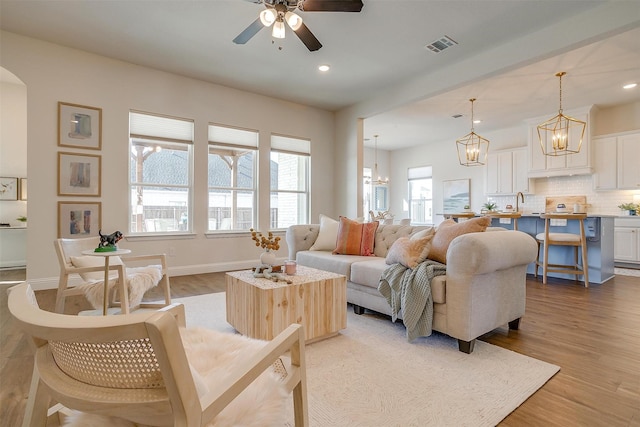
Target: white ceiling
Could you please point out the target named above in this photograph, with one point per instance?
(369, 52)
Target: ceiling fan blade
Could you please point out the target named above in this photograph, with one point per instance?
(307, 37)
(331, 5)
(249, 32)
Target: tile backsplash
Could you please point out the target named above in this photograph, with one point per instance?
(602, 202)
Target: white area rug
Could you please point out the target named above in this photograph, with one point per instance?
(369, 375)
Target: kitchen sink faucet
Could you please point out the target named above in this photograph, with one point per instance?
(518, 197)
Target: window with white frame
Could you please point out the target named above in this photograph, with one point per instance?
(232, 178)
(420, 195)
(160, 173)
(289, 181)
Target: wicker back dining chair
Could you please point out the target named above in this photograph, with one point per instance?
(135, 367)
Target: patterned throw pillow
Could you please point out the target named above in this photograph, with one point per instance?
(410, 252)
(355, 238)
(449, 230)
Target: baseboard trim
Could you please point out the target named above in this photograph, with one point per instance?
(52, 282)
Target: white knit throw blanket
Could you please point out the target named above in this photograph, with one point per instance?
(139, 281)
(410, 291)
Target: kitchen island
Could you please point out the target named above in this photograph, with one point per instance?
(600, 244)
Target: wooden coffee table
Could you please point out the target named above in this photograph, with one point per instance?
(260, 308)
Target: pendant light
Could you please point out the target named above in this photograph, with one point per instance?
(561, 135)
(472, 148)
(378, 180)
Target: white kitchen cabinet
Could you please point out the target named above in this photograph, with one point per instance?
(580, 163)
(629, 161)
(13, 246)
(507, 172)
(627, 240)
(605, 161)
(616, 161)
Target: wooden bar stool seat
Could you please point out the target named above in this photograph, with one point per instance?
(578, 241)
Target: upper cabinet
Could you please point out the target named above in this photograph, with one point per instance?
(507, 172)
(616, 162)
(580, 163)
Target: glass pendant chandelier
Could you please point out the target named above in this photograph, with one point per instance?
(561, 135)
(472, 148)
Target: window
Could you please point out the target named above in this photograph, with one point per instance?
(232, 178)
(289, 181)
(160, 173)
(367, 203)
(420, 195)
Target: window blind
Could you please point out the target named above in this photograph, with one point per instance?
(151, 126)
(419, 172)
(225, 135)
(290, 145)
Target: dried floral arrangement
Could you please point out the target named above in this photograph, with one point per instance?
(269, 242)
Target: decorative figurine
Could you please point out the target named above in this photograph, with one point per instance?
(108, 243)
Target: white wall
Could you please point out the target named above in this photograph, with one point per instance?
(54, 73)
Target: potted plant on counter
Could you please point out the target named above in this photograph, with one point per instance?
(489, 207)
(628, 208)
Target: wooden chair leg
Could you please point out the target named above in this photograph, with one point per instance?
(545, 265)
(62, 287)
(585, 262)
(35, 414)
(537, 263)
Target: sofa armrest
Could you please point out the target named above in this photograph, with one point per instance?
(301, 237)
(480, 253)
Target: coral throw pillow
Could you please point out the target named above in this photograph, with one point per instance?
(410, 252)
(449, 230)
(355, 238)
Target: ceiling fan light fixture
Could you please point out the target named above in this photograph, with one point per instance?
(268, 17)
(294, 21)
(278, 30)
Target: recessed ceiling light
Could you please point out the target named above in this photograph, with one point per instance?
(324, 68)
(477, 121)
(630, 86)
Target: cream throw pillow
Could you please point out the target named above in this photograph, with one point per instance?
(95, 261)
(410, 252)
(327, 236)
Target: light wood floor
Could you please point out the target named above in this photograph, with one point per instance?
(592, 334)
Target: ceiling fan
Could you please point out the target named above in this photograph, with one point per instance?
(278, 12)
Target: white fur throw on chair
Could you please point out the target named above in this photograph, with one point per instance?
(139, 280)
(212, 356)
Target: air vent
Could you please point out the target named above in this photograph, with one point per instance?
(441, 44)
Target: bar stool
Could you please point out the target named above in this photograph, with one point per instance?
(563, 239)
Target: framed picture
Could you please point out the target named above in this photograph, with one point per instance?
(79, 126)
(79, 219)
(79, 174)
(23, 188)
(455, 195)
(8, 188)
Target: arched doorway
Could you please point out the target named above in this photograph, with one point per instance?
(13, 179)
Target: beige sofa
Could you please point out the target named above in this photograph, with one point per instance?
(484, 287)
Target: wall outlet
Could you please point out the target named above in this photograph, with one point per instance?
(172, 251)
